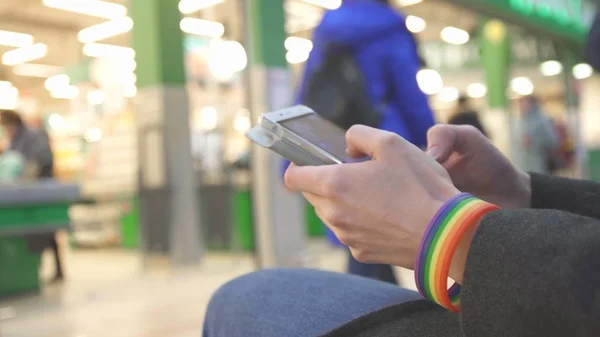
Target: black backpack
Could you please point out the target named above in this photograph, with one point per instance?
(336, 90)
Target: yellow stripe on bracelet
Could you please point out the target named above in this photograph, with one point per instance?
(439, 244)
(446, 233)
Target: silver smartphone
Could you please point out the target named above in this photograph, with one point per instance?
(301, 136)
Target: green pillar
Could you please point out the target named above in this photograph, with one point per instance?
(168, 206)
(278, 213)
(495, 62)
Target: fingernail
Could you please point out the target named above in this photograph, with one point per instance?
(434, 152)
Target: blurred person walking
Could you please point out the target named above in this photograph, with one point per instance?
(362, 70)
(538, 136)
(34, 146)
(466, 115)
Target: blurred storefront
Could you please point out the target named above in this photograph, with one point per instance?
(93, 83)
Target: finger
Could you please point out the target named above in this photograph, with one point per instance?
(366, 141)
(443, 140)
(308, 178)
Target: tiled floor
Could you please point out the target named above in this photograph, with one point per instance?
(106, 294)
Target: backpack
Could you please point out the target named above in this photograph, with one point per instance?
(336, 90)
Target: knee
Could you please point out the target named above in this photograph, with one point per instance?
(241, 297)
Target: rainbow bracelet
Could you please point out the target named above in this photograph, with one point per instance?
(439, 244)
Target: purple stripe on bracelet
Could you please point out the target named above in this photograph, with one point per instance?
(447, 208)
(427, 238)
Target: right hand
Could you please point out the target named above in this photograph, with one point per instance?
(476, 166)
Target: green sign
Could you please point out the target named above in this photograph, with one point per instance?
(570, 19)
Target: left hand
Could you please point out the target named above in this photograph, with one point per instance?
(379, 208)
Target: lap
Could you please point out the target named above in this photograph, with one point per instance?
(296, 302)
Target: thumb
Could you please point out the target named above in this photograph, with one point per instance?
(364, 141)
(441, 142)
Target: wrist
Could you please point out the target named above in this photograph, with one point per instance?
(523, 189)
(445, 247)
(459, 260)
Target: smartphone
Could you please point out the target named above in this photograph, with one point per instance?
(301, 136)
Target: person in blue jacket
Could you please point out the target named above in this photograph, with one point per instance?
(386, 51)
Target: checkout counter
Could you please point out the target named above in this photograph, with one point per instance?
(30, 214)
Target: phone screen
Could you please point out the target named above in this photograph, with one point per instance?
(320, 132)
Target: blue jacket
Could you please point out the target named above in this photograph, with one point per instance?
(387, 53)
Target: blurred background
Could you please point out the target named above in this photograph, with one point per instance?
(157, 198)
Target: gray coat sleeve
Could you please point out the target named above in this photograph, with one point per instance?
(535, 272)
(574, 196)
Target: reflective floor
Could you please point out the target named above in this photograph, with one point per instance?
(106, 294)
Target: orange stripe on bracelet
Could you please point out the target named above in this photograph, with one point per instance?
(439, 244)
(449, 248)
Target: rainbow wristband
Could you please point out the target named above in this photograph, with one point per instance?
(439, 244)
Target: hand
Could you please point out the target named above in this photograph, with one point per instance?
(379, 208)
(476, 166)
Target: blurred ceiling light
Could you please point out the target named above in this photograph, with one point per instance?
(448, 94)
(128, 65)
(301, 16)
(202, 27)
(126, 78)
(522, 86)
(56, 82)
(97, 8)
(327, 4)
(408, 2)
(476, 90)
(9, 96)
(294, 57)
(299, 44)
(105, 30)
(227, 58)
(191, 6)
(241, 123)
(36, 70)
(582, 71)
(67, 92)
(95, 97)
(130, 90)
(455, 35)
(93, 135)
(24, 54)
(208, 118)
(415, 24)
(551, 68)
(430, 81)
(13, 39)
(56, 121)
(107, 51)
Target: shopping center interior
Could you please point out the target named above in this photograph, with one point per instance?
(80, 70)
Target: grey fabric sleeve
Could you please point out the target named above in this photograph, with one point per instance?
(533, 273)
(575, 196)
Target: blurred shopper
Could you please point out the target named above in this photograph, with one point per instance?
(362, 70)
(564, 155)
(538, 136)
(466, 115)
(34, 146)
